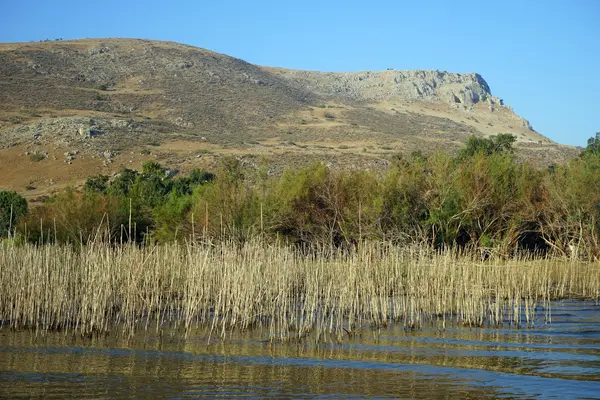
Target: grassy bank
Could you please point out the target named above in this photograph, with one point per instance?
(328, 295)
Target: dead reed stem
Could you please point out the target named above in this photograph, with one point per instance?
(329, 294)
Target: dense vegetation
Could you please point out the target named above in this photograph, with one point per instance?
(103, 289)
(12, 207)
(481, 197)
(82, 282)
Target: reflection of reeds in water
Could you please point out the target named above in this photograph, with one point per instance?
(329, 294)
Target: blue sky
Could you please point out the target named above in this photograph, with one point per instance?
(541, 57)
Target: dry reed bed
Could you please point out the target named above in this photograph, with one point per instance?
(101, 288)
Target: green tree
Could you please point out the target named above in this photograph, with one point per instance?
(122, 184)
(97, 184)
(153, 169)
(502, 143)
(185, 185)
(593, 145)
(12, 207)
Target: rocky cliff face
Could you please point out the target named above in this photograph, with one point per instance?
(462, 91)
(467, 89)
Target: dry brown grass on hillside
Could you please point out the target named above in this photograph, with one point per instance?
(139, 95)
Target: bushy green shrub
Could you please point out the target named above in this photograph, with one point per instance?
(75, 217)
(37, 157)
(13, 206)
(225, 207)
(502, 142)
(482, 197)
(593, 146)
(97, 184)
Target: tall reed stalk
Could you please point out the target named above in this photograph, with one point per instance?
(100, 288)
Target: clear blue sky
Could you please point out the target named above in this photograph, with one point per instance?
(541, 57)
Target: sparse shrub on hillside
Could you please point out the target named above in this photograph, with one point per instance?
(37, 157)
(97, 184)
(494, 144)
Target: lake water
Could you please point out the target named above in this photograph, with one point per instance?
(560, 361)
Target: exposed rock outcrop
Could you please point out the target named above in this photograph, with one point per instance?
(462, 91)
(466, 89)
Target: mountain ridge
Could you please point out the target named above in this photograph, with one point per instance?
(111, 103)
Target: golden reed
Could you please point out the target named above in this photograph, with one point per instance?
(328, 294)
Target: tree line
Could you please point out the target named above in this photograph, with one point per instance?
(482, 197)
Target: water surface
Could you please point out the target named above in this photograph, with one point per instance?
(559, 360)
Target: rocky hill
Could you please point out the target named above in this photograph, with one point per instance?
(460, 90)
(71, 109)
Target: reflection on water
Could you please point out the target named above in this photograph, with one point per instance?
(560, 361)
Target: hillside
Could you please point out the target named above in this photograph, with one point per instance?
(71, 109)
